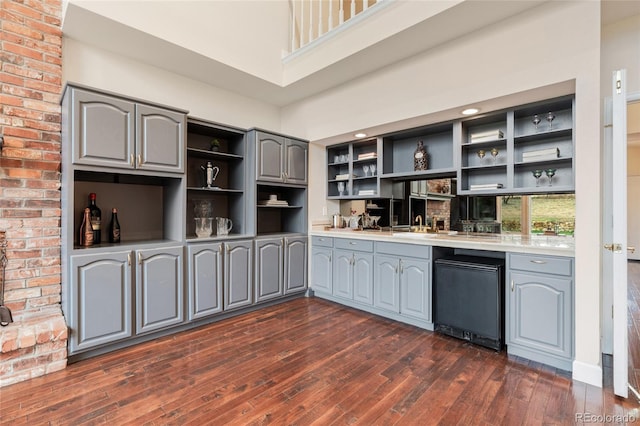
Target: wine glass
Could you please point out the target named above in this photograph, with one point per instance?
(373, 169)
(550, 174)
(365, 169)
(341, 188)
(550, 117)
(536, 120)
(536, 174)
(494, 154)
(481, 155)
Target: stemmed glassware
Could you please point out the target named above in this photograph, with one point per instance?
(536, 174)
(365, 169)
(494, 154)
(550, 117)
(481, 154)
(536, 120)
(341, 188)
(550, 174)
(373, 169)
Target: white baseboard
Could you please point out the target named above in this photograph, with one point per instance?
(587, 373)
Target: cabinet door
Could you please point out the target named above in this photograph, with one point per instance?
(103, 132)
(343, 273)
(159, 288)
(363, 278)
(100, 299)
(205, 279)
(415, 288)
(269, 276)
(237, 274)
(296, 160)
(295, 264)
(540, 313)
(160, 139)
(269, 156)
(386, 285)
(321, 269)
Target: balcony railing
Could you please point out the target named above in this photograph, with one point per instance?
(313, 19)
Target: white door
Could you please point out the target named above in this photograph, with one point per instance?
(615, 228)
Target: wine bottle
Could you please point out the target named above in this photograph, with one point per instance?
(86, 231)
(114, 227)
(96, 218)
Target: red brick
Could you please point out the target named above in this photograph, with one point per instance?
(22, 72)
(10, 16)
(10, 100)
(52, 156)
(20, 9)
(27, 154)
(19, 133)
(41, 165)
(24, 51)
(40, 125)
(21, 29)
(45, 67)
(39, 302)
(9, 340)
(10, 204)
(9, 162)
(27, 174)
(24, 112)
(52, 137)
(45, 184)
(11, 79)
(50, 84)
(43, 27)
(27, 338)
(21, 92)
(9, 58)
(43, 242)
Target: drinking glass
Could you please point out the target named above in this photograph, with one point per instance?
(341, 188)
(494, 154)
(550, 174)
(373, 169)
(537, 174)
(365, 169)
(550, 117)
(536, 120)
(481, 155)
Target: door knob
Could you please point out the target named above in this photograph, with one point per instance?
(631, 249)
(617, 248)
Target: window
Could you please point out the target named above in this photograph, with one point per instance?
(548, 214)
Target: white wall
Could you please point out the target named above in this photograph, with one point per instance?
(543, 46)
(88, 65)
(621, 49)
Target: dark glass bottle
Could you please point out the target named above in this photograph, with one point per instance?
(86, 232)
(96, 218)
(114, 227)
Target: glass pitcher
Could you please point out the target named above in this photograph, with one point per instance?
(223, 226)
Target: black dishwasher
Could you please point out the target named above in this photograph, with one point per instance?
(468, 299)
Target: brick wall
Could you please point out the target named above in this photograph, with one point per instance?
(31, 84)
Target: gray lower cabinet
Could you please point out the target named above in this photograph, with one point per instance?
(205, 279)
(295, 264)
(540, 308)
(415, 288)
(353, 270)
(238, 283)
(159, 288)
(269, 274)
(100, 299)
(387, 283)
(322, 264)
(343, 273)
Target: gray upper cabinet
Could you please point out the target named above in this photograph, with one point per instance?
(109, 131)
(160, 139)
(269, 274)
(159, 288)
(103, 130)
(100, 298)
(238, 283)
(295, 264)
(205, 279)
(280, 159)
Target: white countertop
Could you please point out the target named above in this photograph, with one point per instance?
(516, 243)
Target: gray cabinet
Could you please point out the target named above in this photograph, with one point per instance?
(402, 281)
(280, 159)
(205, 279)
(353, 270)
(343, 273)
(295, 264)
(540, 309)
(238, 283)
(322, 264)
(100, 300)
(159, 288)
(109, 131)
(269, 274)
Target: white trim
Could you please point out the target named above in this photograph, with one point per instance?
(587, 373)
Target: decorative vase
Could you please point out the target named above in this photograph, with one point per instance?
(420, 157)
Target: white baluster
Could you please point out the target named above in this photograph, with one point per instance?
(293, 26)
(330, 15)
(353, 9)
(320, 18)
(310, 21)
(365, 5)
(341, 14)
(302, 43)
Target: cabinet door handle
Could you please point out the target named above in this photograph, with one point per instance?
(353, 259)
(329, 258)
(139, 159)
(129, 258)
(133, 160)
(401, 267)
(228, 248)
(538, 262)
(353, 243)
(220, 249)
(139, 258)
(512, 286)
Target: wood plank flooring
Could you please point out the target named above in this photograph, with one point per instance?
(310, 361)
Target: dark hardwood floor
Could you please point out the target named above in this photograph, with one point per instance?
(314, 362)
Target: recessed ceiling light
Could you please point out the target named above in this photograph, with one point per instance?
(360, 135)
(470, 111)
